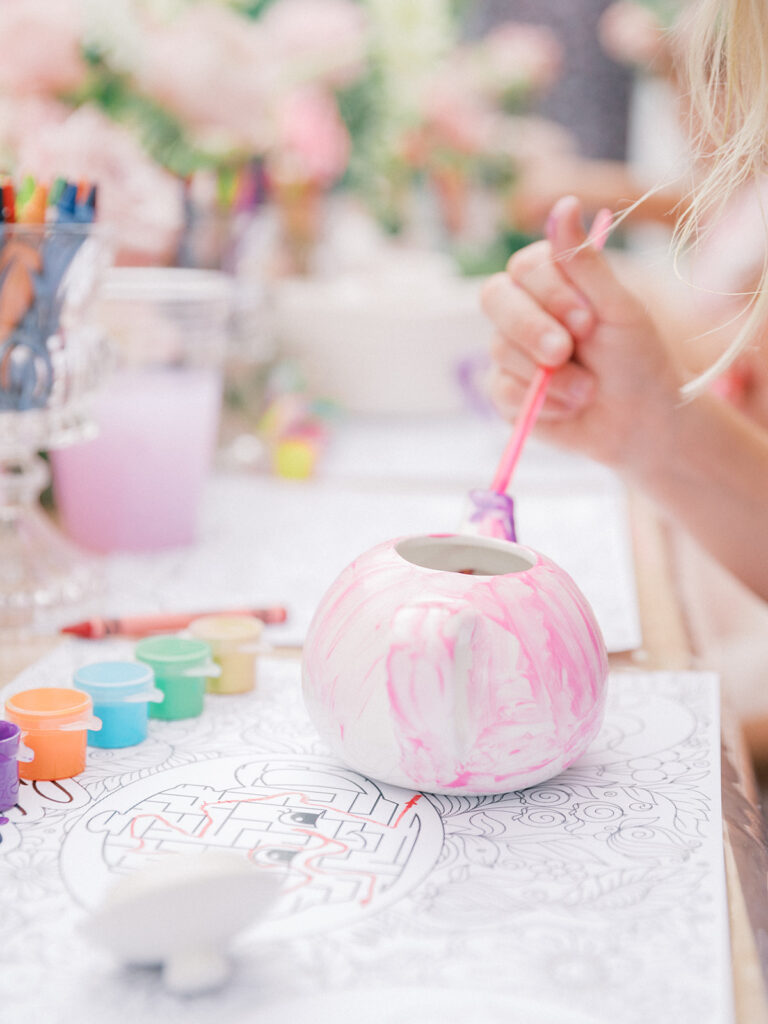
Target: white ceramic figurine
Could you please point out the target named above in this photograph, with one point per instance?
(182, 913)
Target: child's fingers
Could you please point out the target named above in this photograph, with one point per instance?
(570, 387)
(511, 358)
(586, 268)
(507, 391)
(524, 323)
(533, 270)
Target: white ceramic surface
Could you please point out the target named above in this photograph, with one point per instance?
(455, 664)
(181, 913)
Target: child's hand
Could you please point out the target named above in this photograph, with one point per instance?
(559, 304)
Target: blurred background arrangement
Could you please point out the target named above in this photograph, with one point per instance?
(309, 148)
(284, 139)
(194, 110)
(295, 204)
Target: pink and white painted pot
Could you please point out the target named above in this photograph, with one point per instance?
(455, 664)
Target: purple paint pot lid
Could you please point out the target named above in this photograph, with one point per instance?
(8, 730)
(9, 740)
(11, 747)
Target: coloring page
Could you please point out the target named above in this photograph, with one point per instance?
(595, 898)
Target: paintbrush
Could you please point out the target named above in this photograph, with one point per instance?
(493, 514)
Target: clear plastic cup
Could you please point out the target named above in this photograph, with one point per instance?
(138, 485)
(121, 692)
(234, 642)
(181, 666)
(53, 721)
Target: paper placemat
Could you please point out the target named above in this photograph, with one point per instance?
(266, 541)
(595, 898)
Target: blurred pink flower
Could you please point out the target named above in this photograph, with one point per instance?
(213, 69)
(41, 46)
(516, 56)
(454, 117)
(460, 108)
(533, 141)
(631, 33)
(140, 202)
(23, 117)
(321, 41)
(311, 141)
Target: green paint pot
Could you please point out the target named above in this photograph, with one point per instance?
(181, 666)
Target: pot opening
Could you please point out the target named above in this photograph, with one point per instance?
(473, 556)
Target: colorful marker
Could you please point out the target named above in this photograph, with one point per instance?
(9, 203)
(33, 211)
(67, 204)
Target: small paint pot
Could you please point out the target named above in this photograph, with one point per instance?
(53, 721)
(121, 692)
(12, 750)
(181, 665)
(234, 643)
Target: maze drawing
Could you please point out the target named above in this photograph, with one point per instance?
(342, 843)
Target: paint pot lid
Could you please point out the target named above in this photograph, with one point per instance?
(111, 681)
(226, 633)
(9, 738)
(47, 707)
(172, 651)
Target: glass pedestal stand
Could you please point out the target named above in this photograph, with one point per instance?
(44, 579)
(53, 357)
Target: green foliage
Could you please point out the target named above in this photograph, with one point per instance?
(473, 262)
(376, 170)
(252, 8)
(666, 11)
(159, 132)
(459, 8)
(359, 104)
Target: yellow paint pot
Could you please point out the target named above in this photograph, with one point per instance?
(234, 642)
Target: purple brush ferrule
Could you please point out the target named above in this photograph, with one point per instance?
(493, 514)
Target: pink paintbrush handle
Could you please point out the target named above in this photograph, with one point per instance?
(526, 417)
(537, 389)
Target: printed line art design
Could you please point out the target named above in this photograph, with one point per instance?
(598, 896)
(343, 843)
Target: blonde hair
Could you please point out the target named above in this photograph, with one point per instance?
(726, 42)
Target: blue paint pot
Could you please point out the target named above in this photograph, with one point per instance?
(121, 692)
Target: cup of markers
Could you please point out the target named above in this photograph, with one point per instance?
(47, 277)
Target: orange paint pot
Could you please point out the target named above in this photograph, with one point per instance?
(54, 723)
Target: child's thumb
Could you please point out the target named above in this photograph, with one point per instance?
(579, 259)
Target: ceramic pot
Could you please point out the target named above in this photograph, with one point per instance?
(455, 664)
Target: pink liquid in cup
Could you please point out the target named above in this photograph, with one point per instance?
(138, 485)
